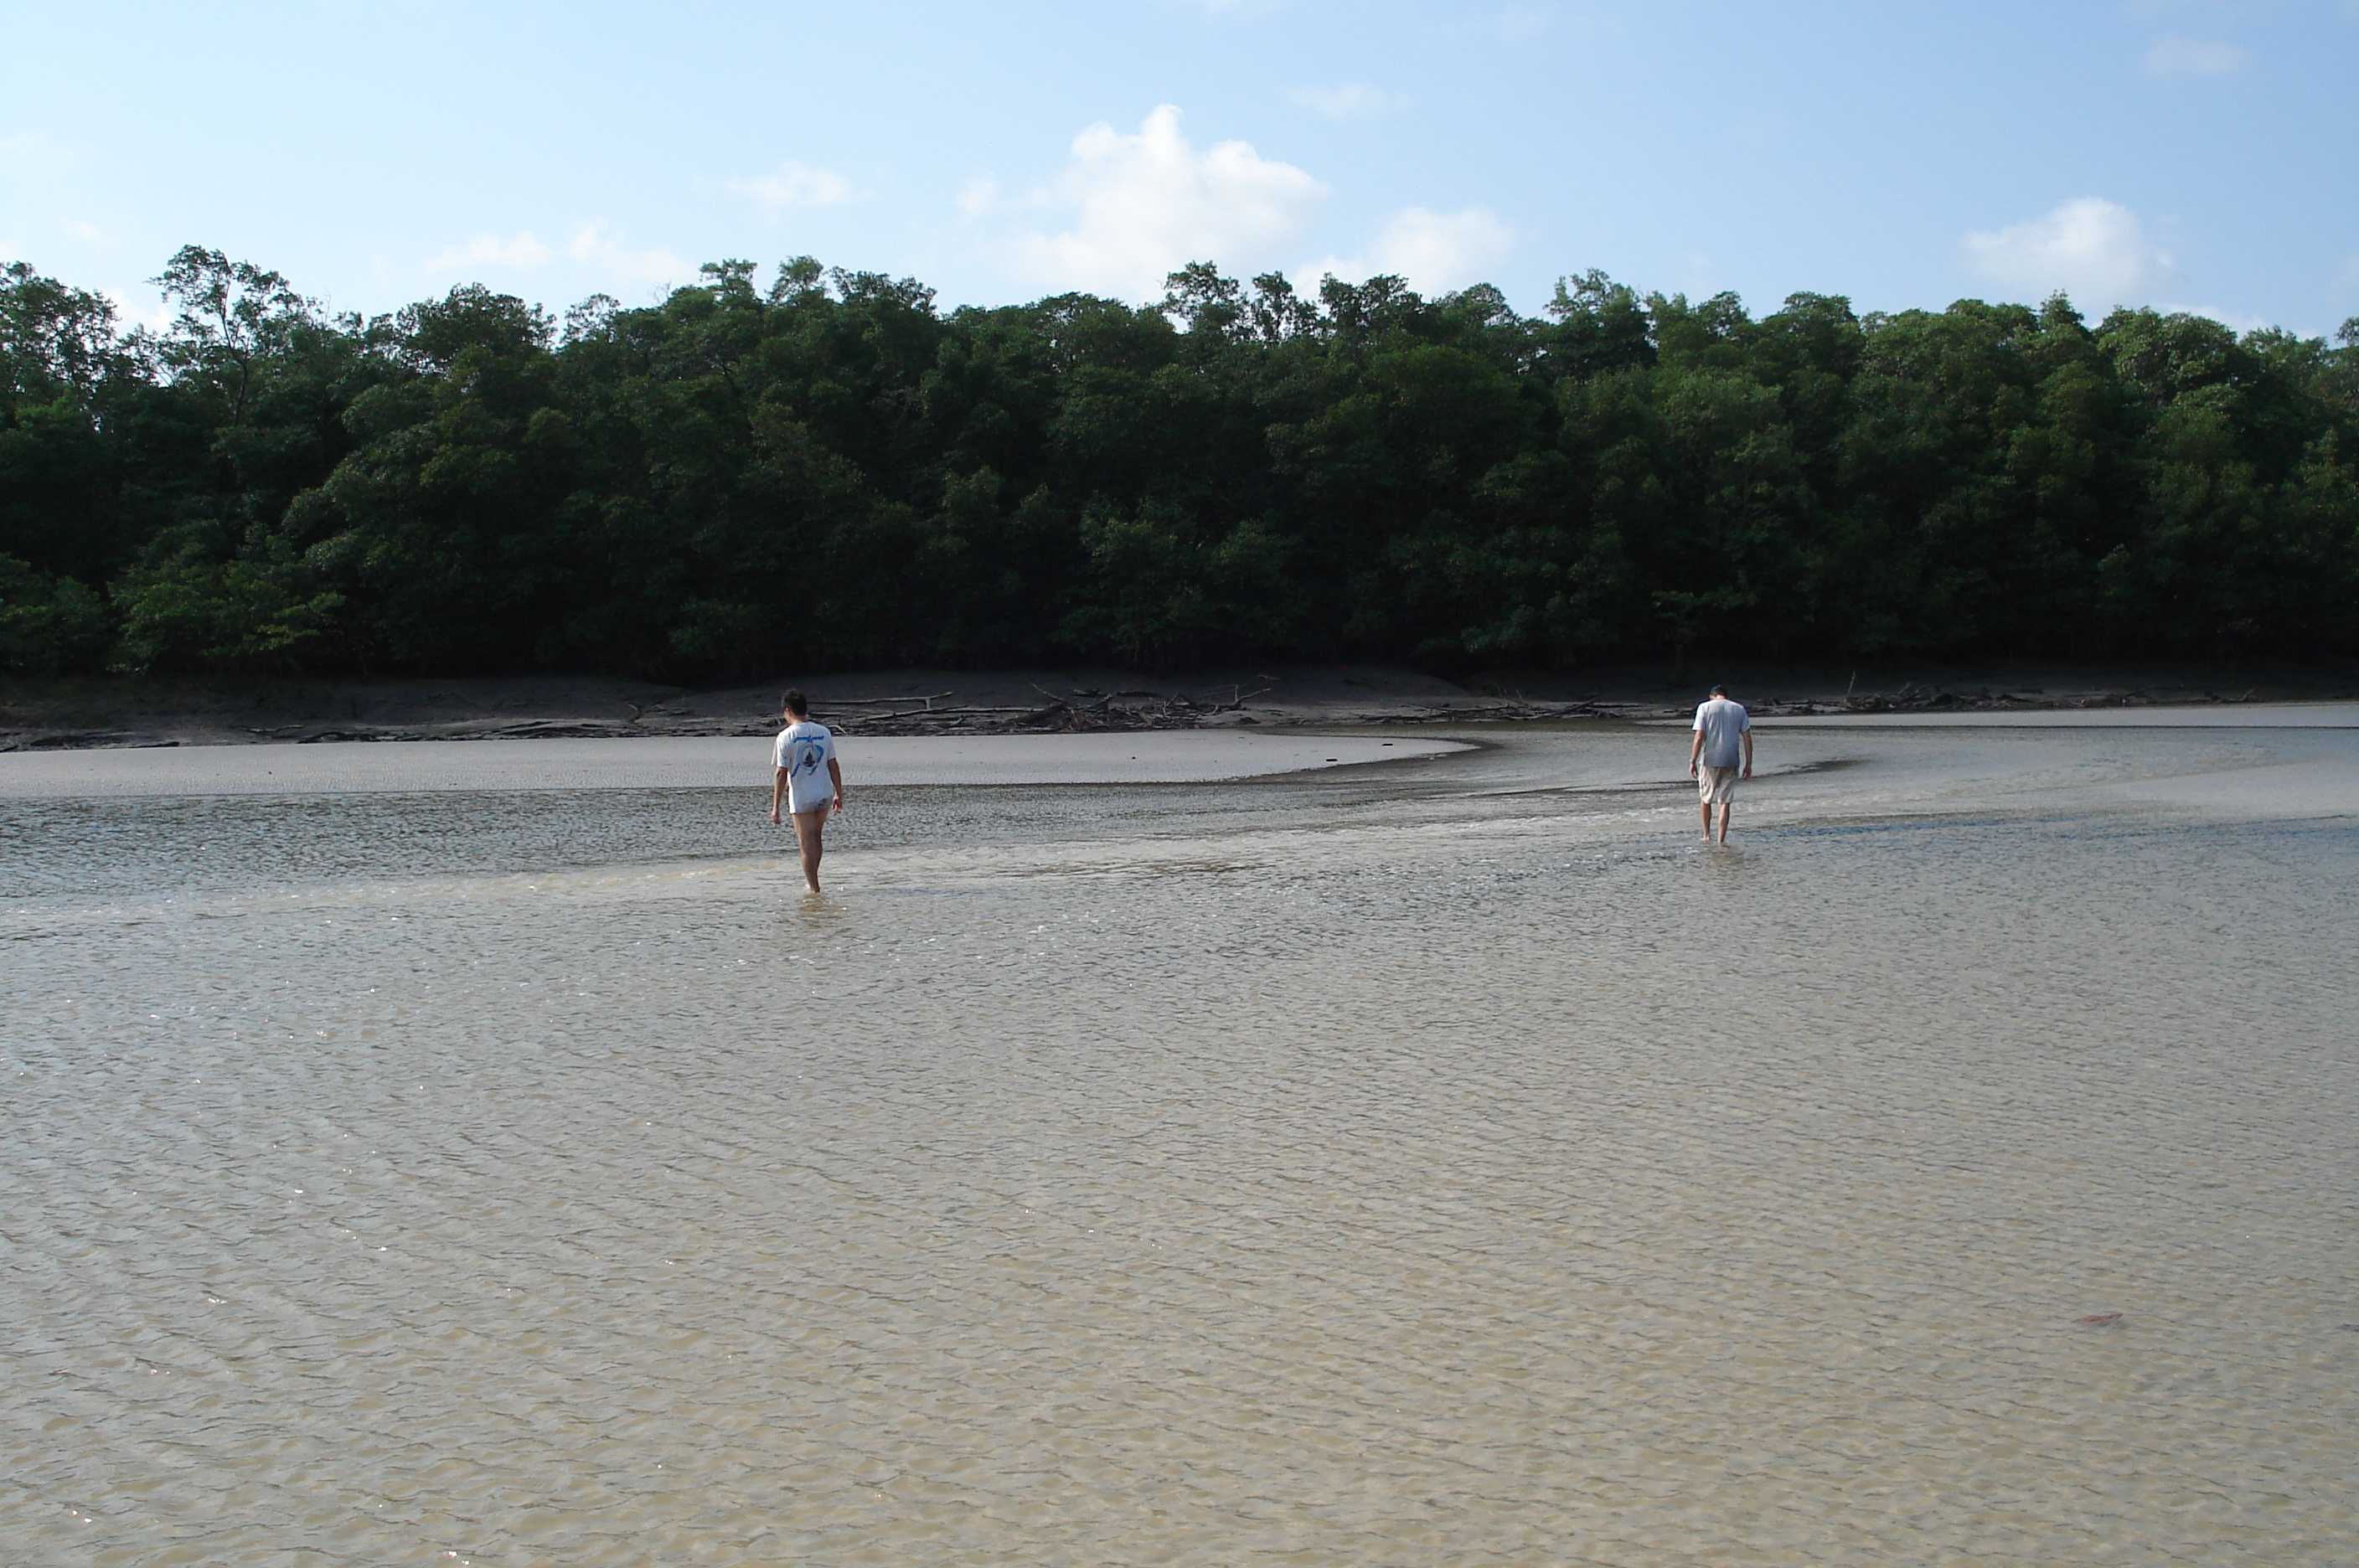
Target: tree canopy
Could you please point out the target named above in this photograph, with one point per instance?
(823, 469)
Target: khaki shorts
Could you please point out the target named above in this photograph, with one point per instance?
(1716, 786)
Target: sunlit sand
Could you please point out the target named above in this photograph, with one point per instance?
(344, 768)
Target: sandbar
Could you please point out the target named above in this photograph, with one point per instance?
(2221, 716)
(1182, 756)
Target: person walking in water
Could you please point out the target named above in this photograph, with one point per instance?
(807, 781)
(1723, 730)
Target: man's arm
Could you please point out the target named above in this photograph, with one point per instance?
(778, 790)
(835, 775)
(1695, 749)
(1748, 753)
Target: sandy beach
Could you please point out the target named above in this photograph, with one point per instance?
(688, 763)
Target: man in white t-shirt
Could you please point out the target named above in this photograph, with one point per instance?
(805, 777)
(1724, 730)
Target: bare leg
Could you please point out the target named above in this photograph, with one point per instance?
(1725, 807)
(1707, 819)
(809, 827)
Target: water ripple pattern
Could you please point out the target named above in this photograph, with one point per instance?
(1447, 1164)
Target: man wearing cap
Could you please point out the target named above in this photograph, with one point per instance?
(1724, 733)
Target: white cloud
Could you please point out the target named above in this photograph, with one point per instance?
(138, 308)
(2175, 56)
(1436, 252)
(794, 184)
(77, 229)
(1348, 101)
(978, 196)
(521, 249)
(595, 246)
(2093, 249)
(1144, 205)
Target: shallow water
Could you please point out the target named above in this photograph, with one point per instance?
(1442, 1161)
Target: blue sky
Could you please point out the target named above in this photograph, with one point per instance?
(2187, 153)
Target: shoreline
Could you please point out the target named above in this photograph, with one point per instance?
(114, 713)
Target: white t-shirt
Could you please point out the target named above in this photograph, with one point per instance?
(804, 750)
(1721, 723)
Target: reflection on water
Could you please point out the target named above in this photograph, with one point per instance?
(1449, 1164)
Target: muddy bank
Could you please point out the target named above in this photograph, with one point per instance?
(76, 714)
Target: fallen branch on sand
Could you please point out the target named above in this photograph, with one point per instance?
(1520, 709)
(925, 703)
(1081, 710)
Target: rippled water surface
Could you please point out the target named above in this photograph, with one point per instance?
(1443, 1161)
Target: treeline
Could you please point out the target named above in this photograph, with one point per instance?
(822, 470)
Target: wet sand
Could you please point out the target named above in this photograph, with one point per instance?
(1187, 756)
(2328, 715)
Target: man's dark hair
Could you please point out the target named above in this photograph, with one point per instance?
(1717, 691)
(798, 704)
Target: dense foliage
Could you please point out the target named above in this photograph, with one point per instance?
(826, 470)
